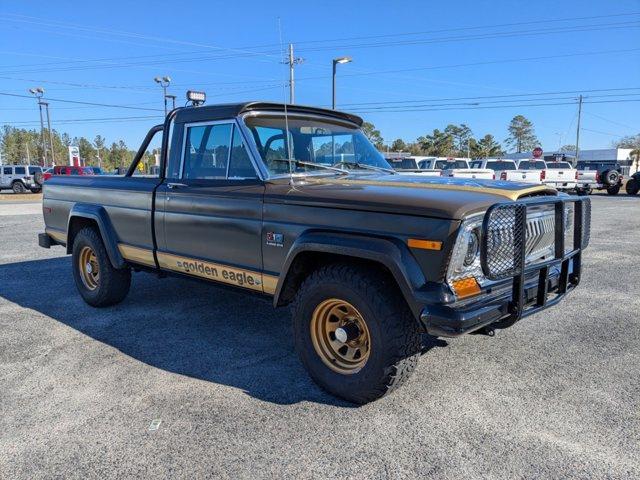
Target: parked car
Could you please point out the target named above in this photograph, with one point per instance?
(599, 176)
(633, 184)
(367, 259)
(21, 178)
(508, 170)
(461, 168)
(558, 174)
(68, 170)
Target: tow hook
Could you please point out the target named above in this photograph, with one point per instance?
(488, 330)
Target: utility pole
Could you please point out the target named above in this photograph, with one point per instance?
(28, 154)
(292, 61)
(53, 156)
(578, 128)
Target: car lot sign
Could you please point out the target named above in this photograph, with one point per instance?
(74, 156)
(537, 152)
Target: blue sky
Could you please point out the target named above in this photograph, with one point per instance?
(418, 53)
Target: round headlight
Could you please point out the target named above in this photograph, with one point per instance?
(473, 248)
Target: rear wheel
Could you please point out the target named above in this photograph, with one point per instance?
(354, 332)
(18, 187)
(613, 190)
(99, 283)
(633, 186)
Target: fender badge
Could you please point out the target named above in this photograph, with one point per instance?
(275, 239)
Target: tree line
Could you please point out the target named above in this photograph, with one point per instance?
(19, 145)
(459, 141)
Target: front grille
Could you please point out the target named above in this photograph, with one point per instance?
(540, 236)
(512, 243)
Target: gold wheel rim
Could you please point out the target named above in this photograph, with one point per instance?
(89, 268)
(345, 357)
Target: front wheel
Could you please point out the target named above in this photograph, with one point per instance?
(354, 332)
(18, 187)
(613, 190)
(99, 283)
(632, 187)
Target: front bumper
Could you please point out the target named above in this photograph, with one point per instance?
(527, 289)
(455, 320)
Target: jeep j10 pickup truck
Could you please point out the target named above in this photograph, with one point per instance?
(259, 197)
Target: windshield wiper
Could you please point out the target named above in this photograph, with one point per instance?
(301, 163)
(366, 166)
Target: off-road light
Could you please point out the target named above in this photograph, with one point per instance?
(196, 98)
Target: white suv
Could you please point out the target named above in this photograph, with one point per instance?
(21, 178)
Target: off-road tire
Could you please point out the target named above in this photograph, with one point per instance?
(613, 190)
(394, 332)
(113, 285)
(632, 187)
(38, 177)
(35, 190)
(18, 187)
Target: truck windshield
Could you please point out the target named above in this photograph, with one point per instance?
(321, 142)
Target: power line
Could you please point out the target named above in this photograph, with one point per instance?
(93, 29)
(84, 103)
(484, 97)
(609, 120)
(483, 107)
(595, 27)
(83, 120)
(478, 27)
(603, 133)
(476, 64)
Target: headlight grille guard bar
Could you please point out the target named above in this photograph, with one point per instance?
(514, 214)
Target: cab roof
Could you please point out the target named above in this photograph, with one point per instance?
(230, 110)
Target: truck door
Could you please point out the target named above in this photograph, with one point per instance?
(210, 214)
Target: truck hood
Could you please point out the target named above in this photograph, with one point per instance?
(450, 198)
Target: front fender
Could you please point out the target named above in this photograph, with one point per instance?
(98, 214)
(391, 253)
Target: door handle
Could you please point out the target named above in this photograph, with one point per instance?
(173, 186)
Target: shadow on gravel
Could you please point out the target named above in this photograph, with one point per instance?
(181, 326)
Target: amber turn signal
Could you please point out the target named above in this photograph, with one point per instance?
(424, 244)
(466, 287)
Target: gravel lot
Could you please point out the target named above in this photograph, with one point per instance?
(556, 396)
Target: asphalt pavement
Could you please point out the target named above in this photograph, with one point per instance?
(190, 380)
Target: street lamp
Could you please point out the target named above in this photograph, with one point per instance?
(38, 92)
(173, 100)
(164, 83)
(336, 61)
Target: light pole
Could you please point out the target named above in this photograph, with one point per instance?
(39, 92)
(336, 61)
(173, 101)
(164, 82)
